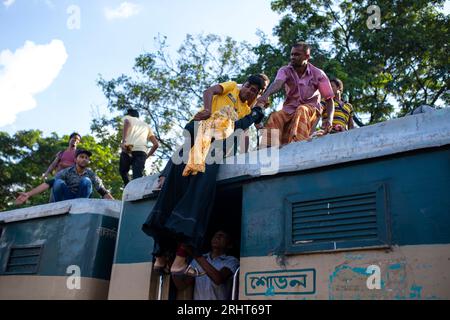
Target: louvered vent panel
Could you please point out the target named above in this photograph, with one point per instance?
(23, 260)
(352, 217)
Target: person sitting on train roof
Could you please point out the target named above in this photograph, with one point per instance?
(305, 86)
(71, 183)
(211, 274)
(64, 158)
(343, 111)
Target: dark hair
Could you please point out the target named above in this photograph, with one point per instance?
(256, 80)
(303, 45)
(133, 113)
(74, 134)
(81, 151)
(338, 83)
(229, 235)
(263, 76)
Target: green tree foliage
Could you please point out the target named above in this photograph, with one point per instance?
(26, 155)
(169, 91)
(405, 60)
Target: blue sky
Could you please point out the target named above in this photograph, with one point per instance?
(49, 67)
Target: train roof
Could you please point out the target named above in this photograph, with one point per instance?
(109, 208)
(414, 132)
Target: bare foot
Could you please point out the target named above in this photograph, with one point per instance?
(179, 264)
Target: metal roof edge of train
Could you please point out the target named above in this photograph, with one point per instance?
(425, 130)
(109, 208)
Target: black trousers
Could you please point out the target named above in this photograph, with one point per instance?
(182, 211)
(137, 163)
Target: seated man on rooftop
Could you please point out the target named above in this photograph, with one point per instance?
(343, 111)
(71, 183)
(305, 85)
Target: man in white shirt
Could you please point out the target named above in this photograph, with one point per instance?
(136, 134)
(212, 273)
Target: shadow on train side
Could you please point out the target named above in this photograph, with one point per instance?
(363, 214)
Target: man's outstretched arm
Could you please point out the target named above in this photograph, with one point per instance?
(24, 196)
(327, 125)
(52, 167)
(217, 276)
(275, 87)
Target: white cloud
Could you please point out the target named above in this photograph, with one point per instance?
(26, 72)
(123, 11)
(7, 3)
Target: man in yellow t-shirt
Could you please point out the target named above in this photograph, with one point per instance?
(136, 134)
(343, 111)
(240, 97)
(228, 93)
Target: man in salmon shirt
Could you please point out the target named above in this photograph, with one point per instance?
(305, 86)
(66, 158)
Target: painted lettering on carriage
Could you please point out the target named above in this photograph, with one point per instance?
(280, 282)
(108, 233)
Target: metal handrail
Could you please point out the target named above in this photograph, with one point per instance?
(160, 287)
(235, 284)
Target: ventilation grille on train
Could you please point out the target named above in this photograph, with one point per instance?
(337, 219)
(24, 260)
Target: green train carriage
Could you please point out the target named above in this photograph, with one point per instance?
(60, 250)
(363, 214)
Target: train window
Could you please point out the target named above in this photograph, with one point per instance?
(334, 220)
(23, 260)
(226, 215)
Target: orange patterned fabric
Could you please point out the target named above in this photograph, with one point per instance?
(292, 127)
(219, 126)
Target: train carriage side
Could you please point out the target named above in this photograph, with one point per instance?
(362, 214)
(59, 250)
(373, 223)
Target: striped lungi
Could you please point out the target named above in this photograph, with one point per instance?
(283, 128)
